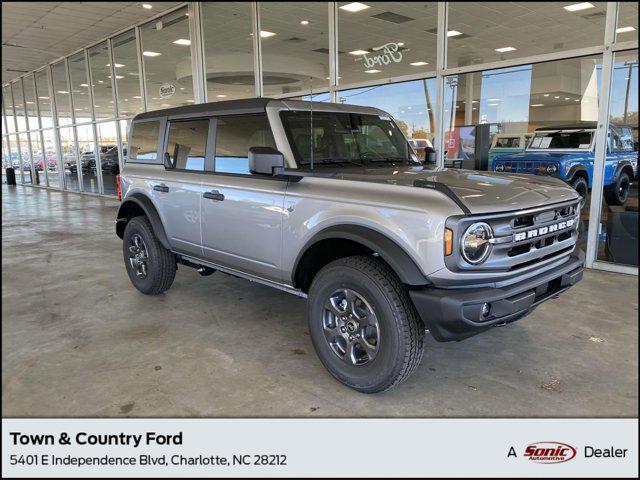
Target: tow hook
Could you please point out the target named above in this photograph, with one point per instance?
(206, 271)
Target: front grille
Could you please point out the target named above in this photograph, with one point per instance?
(524, 238)
(524, 167)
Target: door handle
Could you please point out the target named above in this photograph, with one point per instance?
(214, 195)
(161, 188)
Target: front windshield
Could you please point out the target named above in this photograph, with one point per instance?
(345, 138)
(560, 139)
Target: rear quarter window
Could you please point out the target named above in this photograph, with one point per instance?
(144, 142)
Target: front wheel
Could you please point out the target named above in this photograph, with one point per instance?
(363, 325)
(581, 186)
(150, 266)
(618, 192)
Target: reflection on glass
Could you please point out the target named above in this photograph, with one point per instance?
(295, 46)
(44, 102)
(627, 29)
(167, 61)
(410, 104)
(88, 160)
(61, 92)
(101, 81)
(388, 39)
(38, 159)
(23, 140)
(482, 32)
(18, 105)
(51, 158)
(8, 108)
(30, 102)
(80, 87)
(69, 158)
(618, 239)
(125, 62)
(16, 162)
(108, 148)
(230, 67)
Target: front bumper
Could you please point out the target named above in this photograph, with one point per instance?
(456, 313)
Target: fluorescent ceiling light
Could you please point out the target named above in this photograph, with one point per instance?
(265, 34)
(358, 52)
(147, 6)
(546, 95)
(577, 100)
(222, 95)
(137, 97)
(400, 44)
(182, 41)
(304, 22)
(567, 98)
(62, 91)
(354, 7)
(537, 105)
(624, 29)
(151, 54)
(190, 101)
(578, 6)
(44, 98)
(505, 49)
(165, 105)
(373, 70)
(493, 99)
(418, 64)
(557, 96)
(116, 65)
(84, 85)
(493, 104)
(453, 33)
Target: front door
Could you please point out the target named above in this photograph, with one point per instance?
(242, 213)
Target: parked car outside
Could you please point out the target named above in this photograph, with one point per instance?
(508, 143)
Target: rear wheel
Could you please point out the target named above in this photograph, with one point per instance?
(363, 325)
(618, 192)
(150, 266)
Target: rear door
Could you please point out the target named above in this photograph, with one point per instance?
(179, 194)
(242, 212)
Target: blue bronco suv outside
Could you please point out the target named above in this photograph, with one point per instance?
(567, 152)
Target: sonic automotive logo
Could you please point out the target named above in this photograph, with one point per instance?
(549, 452)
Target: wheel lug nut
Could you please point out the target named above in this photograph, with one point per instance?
(343, 329)
(350, 337)
(358, 336)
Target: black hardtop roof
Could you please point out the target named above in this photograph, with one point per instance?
(580, 125)
(227, 106)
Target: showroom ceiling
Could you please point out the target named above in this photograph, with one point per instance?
(35, 33)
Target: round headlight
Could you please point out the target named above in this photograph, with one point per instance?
(500, 167)
(474, 245)
(551, 169)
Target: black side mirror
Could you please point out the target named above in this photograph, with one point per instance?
(265, 161)
(429, 155)
(167, 160)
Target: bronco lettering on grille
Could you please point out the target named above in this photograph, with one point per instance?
(537, 232)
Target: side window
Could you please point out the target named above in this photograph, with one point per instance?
(144, 141)
(235, 135)
(187, 144)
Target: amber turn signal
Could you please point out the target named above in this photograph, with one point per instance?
(448, 242)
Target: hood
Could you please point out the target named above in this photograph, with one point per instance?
(538, 156)
(480, 192)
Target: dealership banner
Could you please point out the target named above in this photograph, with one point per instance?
(320, 447)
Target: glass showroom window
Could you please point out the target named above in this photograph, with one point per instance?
(295, 47)
(483, 32)
(228, 50)
(18, 105)
(88, 158)
(618, 238)
(627, 22)
(108, 148)
(6, 157)
(125, 62)
(386, 39)
(30, 102)
(99, 63)
(23, 139)
(80, 87)
(38, 159)
(51, 158)
(8, 108)
(61, 92)
(44, 102)
(167, 61)
(69, 158)
(410, 103)
(13, 153)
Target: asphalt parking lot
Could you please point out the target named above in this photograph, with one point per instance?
(79, 340)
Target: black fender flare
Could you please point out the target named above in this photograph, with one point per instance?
(575, 169)
(622, 164)
(149, 210)
(397, 258)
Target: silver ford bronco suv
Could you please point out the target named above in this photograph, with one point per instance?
(330, 203)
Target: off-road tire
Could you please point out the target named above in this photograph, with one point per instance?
(581, 186)
(161, 263)
(401, 329)
(618, 192)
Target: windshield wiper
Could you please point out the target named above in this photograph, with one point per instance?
(390, 159)
(331, 161)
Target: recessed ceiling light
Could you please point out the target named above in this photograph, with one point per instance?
(624, 29)
(556, 96)
(182, 41)
(418, 64)
(493, 99)
(62, 91)
(44, 98)
(304, 22)
(354, 7)
(265, 34)
(453, 33)
(493, 104)
(84, 85)
(578, 6)
(165, 104)
(577, 100)
(400, 44)
(537, 105)
(221, 95)
(373, 70)
(137, 97)
(151, 54)
(546, 95)
(358, 52)
(474, 108)
(147, 6)
(505, 49)
(567, 98)
(116, 65)
(191, 101)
